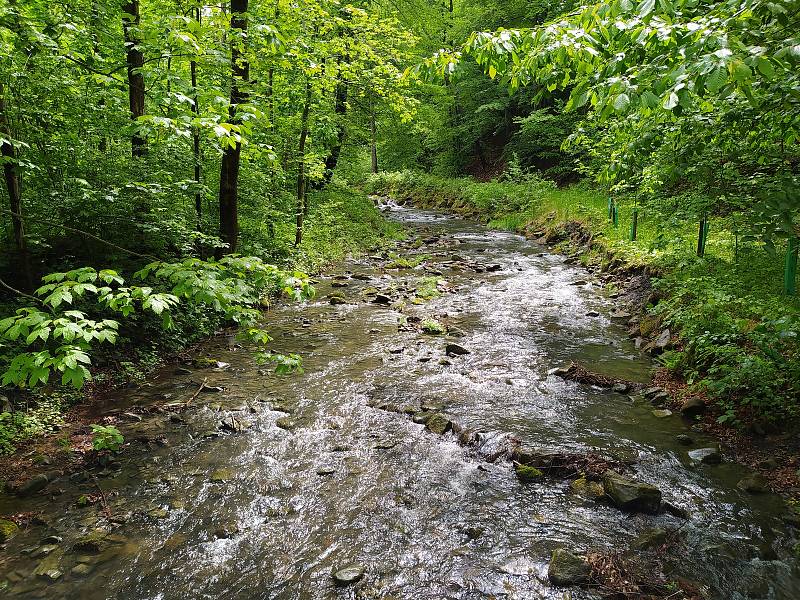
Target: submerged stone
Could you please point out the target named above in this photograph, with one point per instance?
(662, 413)
(754, 484)
(567, 569)
(438, 423)
(348, 574)
(630, 495)
(651, 538)
(221, 475)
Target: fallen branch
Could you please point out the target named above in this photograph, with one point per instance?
(197, 393)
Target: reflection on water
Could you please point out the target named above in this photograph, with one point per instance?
(319, 479)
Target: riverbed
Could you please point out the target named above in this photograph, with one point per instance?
(261, 485)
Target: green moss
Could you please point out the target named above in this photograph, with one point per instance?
(433, 327)
(527, 473)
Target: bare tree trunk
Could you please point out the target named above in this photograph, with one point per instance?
(13, 186)
(102, 144)
(374, 140)
(301, 207)
(231, 157)
(340, 110)
(135, 62)
(198, 196)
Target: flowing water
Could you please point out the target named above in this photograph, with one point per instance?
(319, 478)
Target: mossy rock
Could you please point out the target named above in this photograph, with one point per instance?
(433, 327)
(204, 362)
(649, 325)
(8, 529)
(527, 473)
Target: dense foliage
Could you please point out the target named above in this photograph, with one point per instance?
(170, 163)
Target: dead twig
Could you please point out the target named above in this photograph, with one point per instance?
(197, 393)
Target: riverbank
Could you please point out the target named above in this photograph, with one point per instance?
(722, 333)
(428, 423)
(342, 222)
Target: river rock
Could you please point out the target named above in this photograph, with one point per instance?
(91, 543)
(631, 495)
(592, 313)
(455, 350)
(527, 472)
(706, 456)
(579, 282)
(438, 423)
(567, 569)
(50, 567)
(663, 340)
(382, 299)
(325, 471)
(33, 485)
(662, 413)
(348, 574)
(684, 440)
(591, 490)
(336, 298)
(692, 407)
(620, 314)
(754, 484)
(621, 388)
(651, 538)
(8, 529)
(221, 475)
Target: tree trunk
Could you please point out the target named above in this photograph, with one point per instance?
(301, 207)
(198, 196)
(135, 62)
(374, 140)
(231, 157)
(13, 186)
(340, 109)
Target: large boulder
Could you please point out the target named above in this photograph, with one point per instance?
(692, 407)
(567, 569)
(631, 495)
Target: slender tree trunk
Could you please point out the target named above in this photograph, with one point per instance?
(14, 188)
(102, 144)
(374, 140)
(135, 62)
(301, 207)
(231, 157)
(340, 110)
(198, 196)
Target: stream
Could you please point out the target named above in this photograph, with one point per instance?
(262, 488)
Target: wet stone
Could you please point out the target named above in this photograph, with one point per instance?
(326, 471)
(630, 495)
(455, 350)
(754, 484)
(662, 413)
(221, 475)
(33, 485)
(82, 569)
(8, 529)
(348, 574)
(567, 569)
(684, 440)
(651, 538)
(706, 456)
(91, 543)
(438, 423)
(693, 407)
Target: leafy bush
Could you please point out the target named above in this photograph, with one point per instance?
(106, 437)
